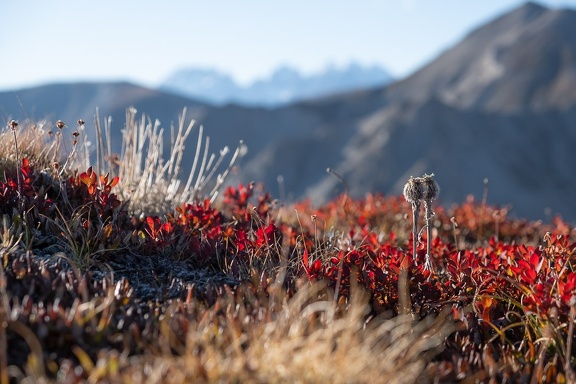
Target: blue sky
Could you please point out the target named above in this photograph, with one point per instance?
(144, 41)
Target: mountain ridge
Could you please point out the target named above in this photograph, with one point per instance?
(284, 86)
(500, 57)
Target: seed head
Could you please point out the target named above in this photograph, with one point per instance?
(80, 122)
(431, 188)
(60, 124)
(414, 190)
(13, 125)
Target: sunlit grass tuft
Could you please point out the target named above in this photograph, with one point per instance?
(306, 339)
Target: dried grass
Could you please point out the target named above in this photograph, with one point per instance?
(307, 339)
(152, 183)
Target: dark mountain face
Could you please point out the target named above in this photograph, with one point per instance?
(527, 157)
(499, 105)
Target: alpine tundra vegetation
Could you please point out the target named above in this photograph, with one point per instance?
(114, 269)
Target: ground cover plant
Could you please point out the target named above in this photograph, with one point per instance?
(113, 270)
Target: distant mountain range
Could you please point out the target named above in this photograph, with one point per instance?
(500, 104)
(286, 85)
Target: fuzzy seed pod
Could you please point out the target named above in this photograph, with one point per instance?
(60, 124)
(13, 125)
(80, 122)
(431, 188)
(414, 190)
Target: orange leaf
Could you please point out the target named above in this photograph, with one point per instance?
(104, 179)
(114, 181)
(487, 302)
(85, 179)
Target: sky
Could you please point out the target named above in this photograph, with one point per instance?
(144, 41)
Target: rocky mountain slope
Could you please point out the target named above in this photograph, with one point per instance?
(500, 105)
(525, 59)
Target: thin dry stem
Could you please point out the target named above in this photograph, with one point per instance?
(415, 216)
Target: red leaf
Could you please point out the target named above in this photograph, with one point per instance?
(266, 236)
(522, 249)
(167, 228)
(317, 266)
(153, 223)
(570, 282)
(305, 258)
(536, 262)
(529, 275)
(371, 275)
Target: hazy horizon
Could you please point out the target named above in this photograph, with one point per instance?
(145, 42)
